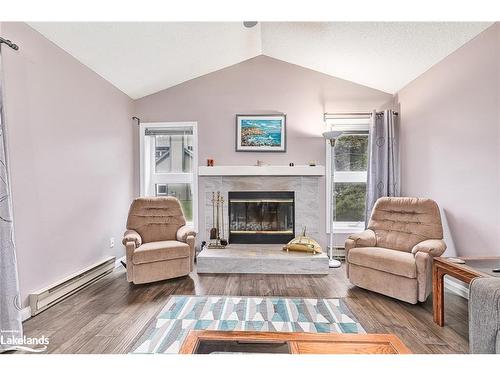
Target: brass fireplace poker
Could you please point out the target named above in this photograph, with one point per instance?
(217, 242)
(213, 230)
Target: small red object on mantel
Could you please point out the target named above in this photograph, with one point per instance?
(210, 162)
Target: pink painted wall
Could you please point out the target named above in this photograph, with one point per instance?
(70, 138)
(260, 85)
(450, 141)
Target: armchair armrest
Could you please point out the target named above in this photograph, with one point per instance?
(187, 235)
(434, 248)
(184, 232)
(363, 239)
(132, 240)
(132, 236)
(366, 238)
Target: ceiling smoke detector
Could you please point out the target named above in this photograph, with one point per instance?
(249, 24)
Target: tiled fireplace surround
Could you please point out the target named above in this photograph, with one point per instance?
(306, 188)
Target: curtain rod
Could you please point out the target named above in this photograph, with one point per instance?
(326, 114)
(12, 45)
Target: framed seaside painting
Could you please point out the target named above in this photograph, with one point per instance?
(261, 133)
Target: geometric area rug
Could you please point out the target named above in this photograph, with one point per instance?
(268, 314)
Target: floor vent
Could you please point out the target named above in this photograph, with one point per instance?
(46, 297)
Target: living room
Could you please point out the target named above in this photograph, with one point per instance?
(270, 186)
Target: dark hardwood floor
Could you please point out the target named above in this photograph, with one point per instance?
(110, 315)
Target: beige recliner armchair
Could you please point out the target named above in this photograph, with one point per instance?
(393, 256)
(158, 243)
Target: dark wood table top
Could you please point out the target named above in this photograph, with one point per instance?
(480, 266)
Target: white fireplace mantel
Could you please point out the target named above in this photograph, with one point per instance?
(265, 170)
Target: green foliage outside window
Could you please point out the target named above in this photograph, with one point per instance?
(351, 153)
(350, 201)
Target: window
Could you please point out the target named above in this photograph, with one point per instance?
(169, 164)
(351, 162)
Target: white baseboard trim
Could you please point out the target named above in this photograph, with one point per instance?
(26, 313)
(456, 287)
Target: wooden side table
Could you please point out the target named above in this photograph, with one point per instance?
(472, 268)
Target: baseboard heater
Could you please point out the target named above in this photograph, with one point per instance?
(49, 296)
(338, 252)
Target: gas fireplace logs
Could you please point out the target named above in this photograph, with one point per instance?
(217, 242)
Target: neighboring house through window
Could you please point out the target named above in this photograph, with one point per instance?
(351, 162)
(169, 164)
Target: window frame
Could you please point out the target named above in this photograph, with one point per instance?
(152, 178)
(359, 123)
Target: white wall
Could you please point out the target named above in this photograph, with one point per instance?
(70, 137)
(450, 141)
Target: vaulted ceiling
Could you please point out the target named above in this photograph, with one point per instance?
(142, 58)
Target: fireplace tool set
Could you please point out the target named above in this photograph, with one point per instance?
(217, 240)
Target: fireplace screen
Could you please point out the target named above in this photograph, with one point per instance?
(261, 217)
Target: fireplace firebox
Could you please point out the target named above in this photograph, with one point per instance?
(265, 217)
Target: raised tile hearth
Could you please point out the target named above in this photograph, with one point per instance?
(251, 257)
(268, 259)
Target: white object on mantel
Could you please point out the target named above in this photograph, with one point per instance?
(265, 170)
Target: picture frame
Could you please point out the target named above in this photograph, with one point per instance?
(261, 133)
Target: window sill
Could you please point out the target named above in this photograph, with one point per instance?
(347, 228)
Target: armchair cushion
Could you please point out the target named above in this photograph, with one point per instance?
(391, 261)
(159, 251)
(401, 223)
(363, 239)
(432, 247)
(132, 236)
(183, 233)
(156, 218)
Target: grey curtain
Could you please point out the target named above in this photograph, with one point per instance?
(383, 159)
(10, 314)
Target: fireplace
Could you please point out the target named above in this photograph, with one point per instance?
(261, 217)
